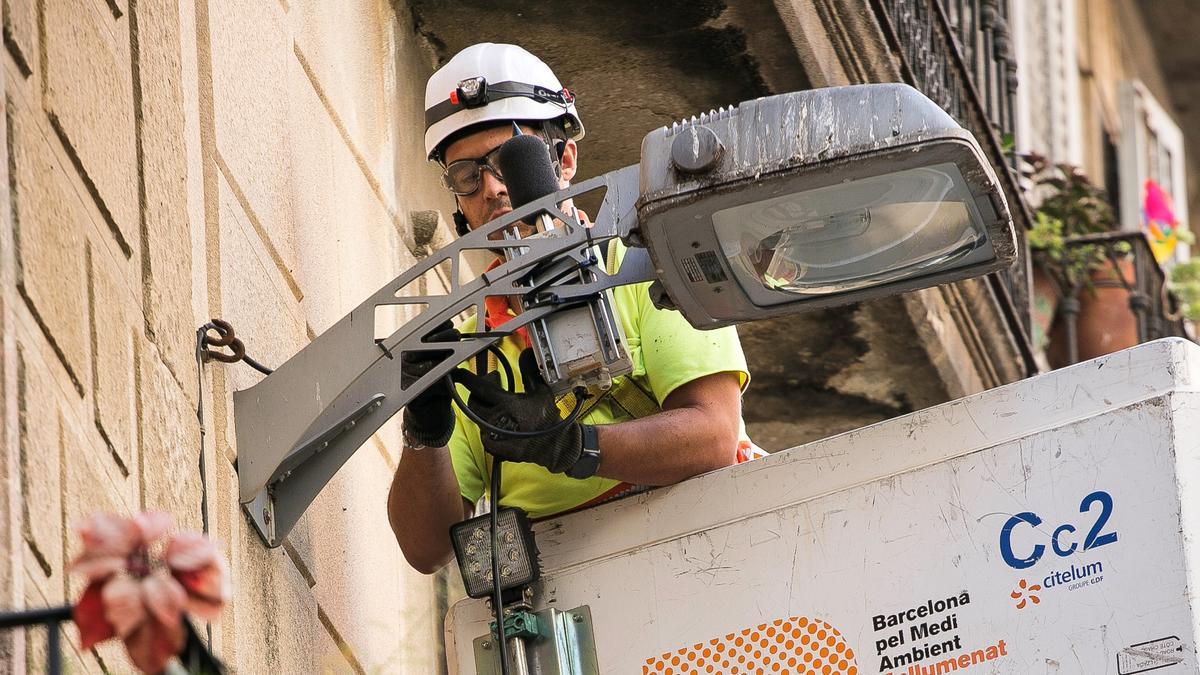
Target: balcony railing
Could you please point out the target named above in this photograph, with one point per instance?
(1128, 265)
(959, 54)
(51, 618)
(195, 658)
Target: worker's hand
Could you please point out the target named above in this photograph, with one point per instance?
(428, 418)
(534, 410)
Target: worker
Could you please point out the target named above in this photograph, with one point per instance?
(677, 415)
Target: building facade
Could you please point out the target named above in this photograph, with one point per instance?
(261, 161)
(1105, 88)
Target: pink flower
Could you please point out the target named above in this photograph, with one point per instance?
(195, 562)
(110, 541)
(140, 595)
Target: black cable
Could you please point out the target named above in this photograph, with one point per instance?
(226, 338)
(497, 595)
(201, 342)
(581, 396)
(256, 365)
(508, 370)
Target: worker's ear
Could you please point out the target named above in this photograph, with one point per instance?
(570, 155)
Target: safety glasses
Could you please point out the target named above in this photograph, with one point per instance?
(464, 176)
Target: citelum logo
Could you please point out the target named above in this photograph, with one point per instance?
(1025, 592)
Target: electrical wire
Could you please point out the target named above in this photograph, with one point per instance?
(497, 597)
(581, 397)
(225, 338)
(508, 369)
(201, 340)
(256, 365)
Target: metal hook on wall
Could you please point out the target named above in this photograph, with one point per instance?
(225, 337)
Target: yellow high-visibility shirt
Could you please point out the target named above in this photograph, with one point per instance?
(666, 352)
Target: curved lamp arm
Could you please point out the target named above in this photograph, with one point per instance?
(300, 424)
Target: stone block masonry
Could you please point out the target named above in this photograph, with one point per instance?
(170, 434)
(89, 97)
(116, 330)
(20, 33)
(170, 161)
(49, 232)
(251, 57)
(166, 236)
(40, 466)
(89, 487)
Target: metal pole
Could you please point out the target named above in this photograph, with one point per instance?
(1069, 307)
(1139, 304)
(51, 618)
(1139, 301)
(517, 658)
(987, 58)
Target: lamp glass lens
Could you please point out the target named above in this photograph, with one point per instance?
(851, 235)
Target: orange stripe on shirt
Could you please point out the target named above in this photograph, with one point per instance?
(498, 310)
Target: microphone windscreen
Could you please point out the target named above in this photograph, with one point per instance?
(528, 172)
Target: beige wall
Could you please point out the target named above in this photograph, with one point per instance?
(255, 160)
(1114, 45)
(1069, 99)
(1117, 45)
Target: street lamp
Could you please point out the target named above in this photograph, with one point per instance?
(779, 205)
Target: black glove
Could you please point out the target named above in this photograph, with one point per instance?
(428, 418)
(534, 410)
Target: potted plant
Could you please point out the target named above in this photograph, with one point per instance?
(1184, 283)
(1072, 267)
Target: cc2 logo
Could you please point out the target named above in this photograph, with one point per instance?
(1061, 541)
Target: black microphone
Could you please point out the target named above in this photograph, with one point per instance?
(579, 344)
(524, 161)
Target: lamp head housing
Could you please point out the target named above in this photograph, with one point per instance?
(817, 198)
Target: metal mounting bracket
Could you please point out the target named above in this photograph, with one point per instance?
(561, 644)
(299, 425)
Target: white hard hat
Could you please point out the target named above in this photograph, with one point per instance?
(490, 82)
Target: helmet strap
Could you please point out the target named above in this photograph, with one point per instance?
(460, 223)
(558, 147)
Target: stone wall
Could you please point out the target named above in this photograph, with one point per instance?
(169, 161)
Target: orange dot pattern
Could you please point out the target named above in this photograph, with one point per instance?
(794, 646)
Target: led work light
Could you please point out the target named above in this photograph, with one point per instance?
(472, 542)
